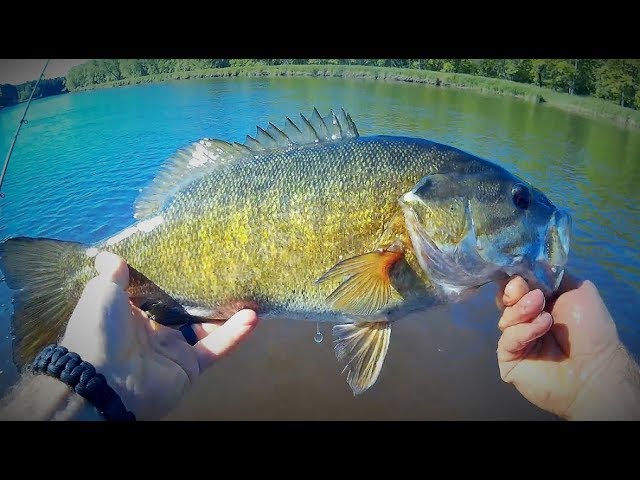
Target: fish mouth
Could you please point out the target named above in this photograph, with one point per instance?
(554, 252)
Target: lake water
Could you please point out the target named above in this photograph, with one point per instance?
(81, 160)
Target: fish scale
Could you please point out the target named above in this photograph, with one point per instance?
(284, 211)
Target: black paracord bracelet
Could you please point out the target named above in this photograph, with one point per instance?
(81, 376)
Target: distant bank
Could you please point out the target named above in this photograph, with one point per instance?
(14, 94)
(583, 105)
(588, 106)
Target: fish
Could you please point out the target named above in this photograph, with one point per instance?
(307, 221)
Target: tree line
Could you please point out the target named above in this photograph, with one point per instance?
(12, 94)
(616, 80)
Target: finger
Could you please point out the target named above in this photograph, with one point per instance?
(114, 268)
(516, 338)
(193, 332)
(528, 308)
(101, 308)
(514, 291)
(223, 339)
(201, 330)
(500, 292)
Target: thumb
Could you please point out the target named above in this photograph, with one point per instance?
(103, 306)
(113, 269)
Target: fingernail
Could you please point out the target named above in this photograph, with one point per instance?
(508, 291)
(106, 263)
(531, 299)
(544, 318)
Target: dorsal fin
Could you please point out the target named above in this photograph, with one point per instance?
(182, 168)
(201, 157)
(315, 129)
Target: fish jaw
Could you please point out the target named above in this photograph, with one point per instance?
(549, 265)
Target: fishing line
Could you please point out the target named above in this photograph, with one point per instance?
(22, 120)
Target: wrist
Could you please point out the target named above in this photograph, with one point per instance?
(612, 393)
(39, 397)
(71, 406)
(81, 376)
(97, 358)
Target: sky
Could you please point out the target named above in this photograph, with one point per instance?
(17, 71)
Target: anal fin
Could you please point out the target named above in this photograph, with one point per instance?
(364, 346)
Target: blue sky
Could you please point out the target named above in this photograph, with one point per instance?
(17, 71)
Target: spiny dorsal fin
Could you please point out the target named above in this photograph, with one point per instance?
(316, 129)
(201, 157)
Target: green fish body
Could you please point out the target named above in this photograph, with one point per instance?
(310, 221)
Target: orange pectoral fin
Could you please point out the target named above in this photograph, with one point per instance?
(367, 287)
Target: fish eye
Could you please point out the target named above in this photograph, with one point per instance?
(520, 196)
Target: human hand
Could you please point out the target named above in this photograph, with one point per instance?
(149, 365)
(566, 358)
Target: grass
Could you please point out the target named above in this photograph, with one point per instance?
(586, 106)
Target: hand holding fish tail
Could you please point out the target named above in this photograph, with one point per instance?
(566, 356)
(150, 366)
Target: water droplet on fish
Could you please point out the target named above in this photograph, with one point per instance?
(554, 269)
(318, 336)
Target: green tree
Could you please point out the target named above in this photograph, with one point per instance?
(465, 65)
(76, 77)
(131, 68)
(240, 62)
(434, 64)
(615, 81)
(539, 70)
(585, 78)
(383, 62)
(151, 66)
(562, 75)
(8, 95)
(517, 70)
(448, 67)
(487, 67)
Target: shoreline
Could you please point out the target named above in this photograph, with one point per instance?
(590, 107)
(2, 107)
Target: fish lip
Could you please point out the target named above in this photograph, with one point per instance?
(553, 256)
(559, 229)
(547, 277)
(564, 225)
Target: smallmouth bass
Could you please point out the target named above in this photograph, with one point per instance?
(308, 221)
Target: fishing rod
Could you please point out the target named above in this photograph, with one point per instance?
(22, 120)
